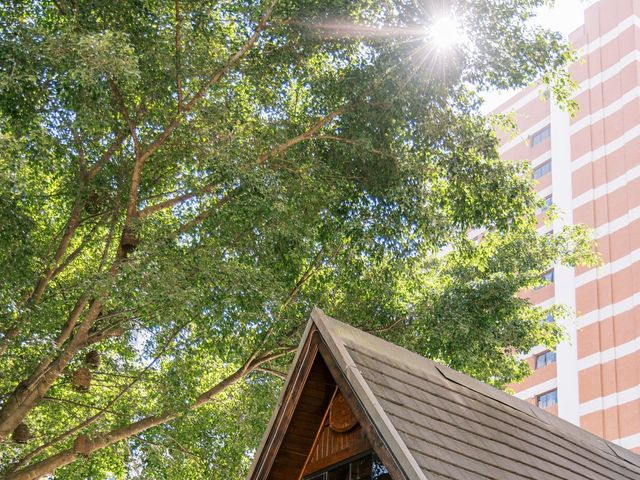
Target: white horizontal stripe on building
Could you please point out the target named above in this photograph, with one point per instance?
(537, 350)
(538, 389)
(534, 351)
(617, 224)
(607, 74)
(546, 303)
(607, 188)
(610, 354)
(610, 35)
(521, 137)
(517, 105)
(609, 311)
(584, 86)
(545, 192)
(610, 109)
(541, 159)
(632, 441)
(612, 146)
(613, 400)
(608, 268)
(585, 50)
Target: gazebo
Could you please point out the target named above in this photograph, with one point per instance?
(355, 407)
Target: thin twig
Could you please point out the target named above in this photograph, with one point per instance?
(125, 113)
(270, 371)
(201, 217)
(78, 404)
(178, 74)
(151, 209)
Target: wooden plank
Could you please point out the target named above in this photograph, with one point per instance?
(306, 418)
(306, 360)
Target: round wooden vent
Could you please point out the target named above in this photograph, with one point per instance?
(341, 418)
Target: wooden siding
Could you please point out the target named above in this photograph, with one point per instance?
(332, 447)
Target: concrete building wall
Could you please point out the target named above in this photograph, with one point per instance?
(594, 179)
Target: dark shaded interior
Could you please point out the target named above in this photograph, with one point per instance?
(305, 423)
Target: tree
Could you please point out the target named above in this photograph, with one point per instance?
(182, 181)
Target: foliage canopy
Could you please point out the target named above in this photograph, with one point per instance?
(180, 182)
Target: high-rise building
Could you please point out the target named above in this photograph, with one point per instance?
(589, 167)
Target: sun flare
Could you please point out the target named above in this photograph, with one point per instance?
(446, 33)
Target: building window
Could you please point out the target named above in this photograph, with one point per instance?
(542, 169)
(540, 136)
(548, 399)
(545, 358)
(548, 201)
(368, 467)
(547, 277)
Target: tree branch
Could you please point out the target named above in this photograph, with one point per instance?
(70, 229)
(178, 446)
(27, 395)
(23, 401)
(73, 255)
(150, 210)
(77, 404)
(103, 410)
(278, 150)
(8, 335)
(306, 276)
(107, 155)
(308, 134)
(82, 159)
(72, 224)
(125, 113)
(104, 335)
(348, 141)
(100, 441)
(233, 59)
(201, 217)
(270, 371)
(215, 78)
(386, 328)
(108, 241)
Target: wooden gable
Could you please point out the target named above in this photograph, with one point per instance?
(318, 423)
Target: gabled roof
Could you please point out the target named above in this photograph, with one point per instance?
(435, 423)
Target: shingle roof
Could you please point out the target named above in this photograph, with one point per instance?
(441, 424)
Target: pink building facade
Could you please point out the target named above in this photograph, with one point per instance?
(589, 167)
